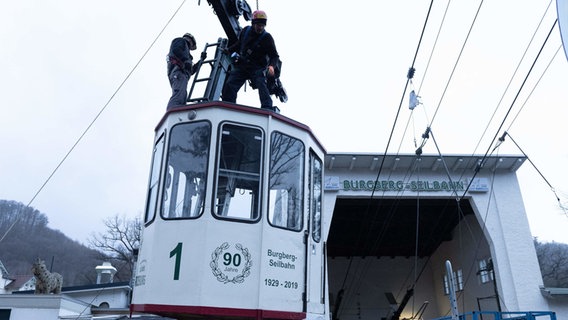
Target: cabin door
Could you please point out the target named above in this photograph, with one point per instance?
(316, 249)
(284, 247)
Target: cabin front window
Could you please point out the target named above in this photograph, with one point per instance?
(237, 192)
(184, 185)
(286, 182)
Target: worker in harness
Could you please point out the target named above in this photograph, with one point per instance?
(254, 57)
(181, 67)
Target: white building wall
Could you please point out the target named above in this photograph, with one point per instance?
(560, 306)
(514, 255)
(116, 298)
(34, 314)
(44, 307)
(464, 252)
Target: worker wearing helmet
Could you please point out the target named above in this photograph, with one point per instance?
(257, 58)
(181, 67)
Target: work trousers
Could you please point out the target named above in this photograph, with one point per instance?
(178, 81)
(238, 76)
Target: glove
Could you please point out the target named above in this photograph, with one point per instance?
(188, 65)
(203, 55)
(270, 71)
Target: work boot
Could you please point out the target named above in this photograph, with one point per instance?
(271, 108)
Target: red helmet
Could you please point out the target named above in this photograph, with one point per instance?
(259, 16)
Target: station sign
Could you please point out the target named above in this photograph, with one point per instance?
(335, 183)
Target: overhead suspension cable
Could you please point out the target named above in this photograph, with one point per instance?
(410, 75)
(457, 61)
(446, 169)
(428, 132)
(479, 241)
(453, 71)
(434, 46)
(518, 65)
(509, 111)
(410, 117)
(501, 140)
(94, 119)
(534, 87)
(537, 170)
(512, 77)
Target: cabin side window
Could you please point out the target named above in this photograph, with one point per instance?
(315, 195)
(286, 182)
(237, 191)
(186, 170)
(151, 201)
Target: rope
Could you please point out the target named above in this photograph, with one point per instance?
(510, 108)
(457, 61)
(537, 170)
(534, 87)
(94, 120)
(513, 76)
(409, 78)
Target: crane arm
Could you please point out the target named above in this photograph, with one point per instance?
(228, 13)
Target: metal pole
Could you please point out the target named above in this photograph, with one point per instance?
(492, 269)
(452, 290)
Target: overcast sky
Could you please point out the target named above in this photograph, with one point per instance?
(344, 68)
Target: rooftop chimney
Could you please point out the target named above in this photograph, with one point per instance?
(107, 271)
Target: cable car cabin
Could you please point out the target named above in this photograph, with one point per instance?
(233, 217)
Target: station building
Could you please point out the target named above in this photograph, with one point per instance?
(399, 219)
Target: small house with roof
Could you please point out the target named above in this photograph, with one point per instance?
(9, 284)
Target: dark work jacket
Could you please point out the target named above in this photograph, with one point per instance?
(179, 55)
(264, 52)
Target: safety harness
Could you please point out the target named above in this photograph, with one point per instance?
(245, 54)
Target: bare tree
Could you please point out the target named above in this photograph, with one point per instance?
(553, 261)
(119, 243)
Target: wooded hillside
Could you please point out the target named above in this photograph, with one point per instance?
(25, 237)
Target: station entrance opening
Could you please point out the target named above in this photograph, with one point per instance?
(398, 219)
(387, 228)
(379, 252)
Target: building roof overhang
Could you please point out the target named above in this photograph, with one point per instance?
(453, 162)
(548, 292)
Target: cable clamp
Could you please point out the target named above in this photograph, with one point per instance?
(410, 73)
(426, 134)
